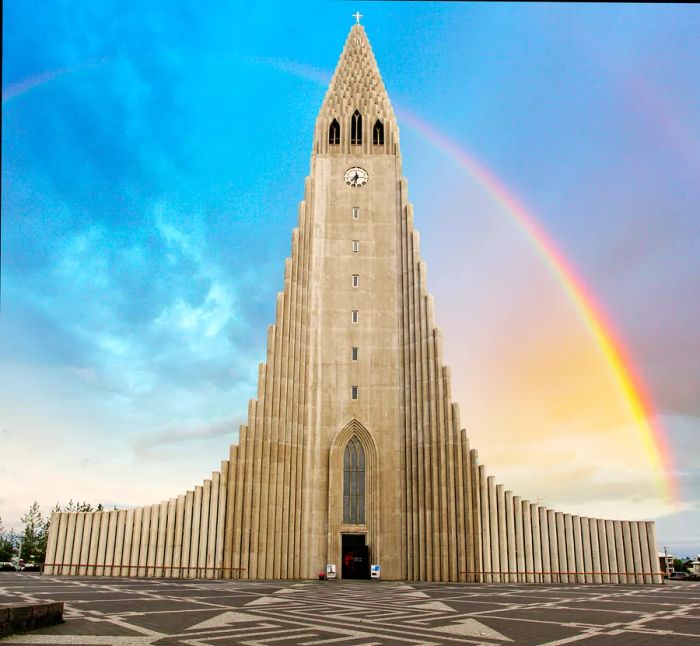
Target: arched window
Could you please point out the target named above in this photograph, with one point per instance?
(378, 133)
(334, 133)
(356, 128)
(354, 483)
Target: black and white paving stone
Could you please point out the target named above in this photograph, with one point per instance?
(169, 612)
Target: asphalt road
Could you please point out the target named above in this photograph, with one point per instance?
(352, 613)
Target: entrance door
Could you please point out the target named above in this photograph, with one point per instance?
(355, 557)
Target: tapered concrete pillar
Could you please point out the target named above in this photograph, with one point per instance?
(519, 540)
(612, 551)
(510, 538)
(629, 555)
(595, 550)
(644, 549)
(570, 554)
(533, 536)
(620, 551)
(544, 543)
(553, 546)
(603, 548)
(485, 524)
(561, 547)
(502, 534)
(586, 540)
(495, 537)
(653, 553)
(637, 553)
(578, 549)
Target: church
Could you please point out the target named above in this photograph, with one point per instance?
(353, 454)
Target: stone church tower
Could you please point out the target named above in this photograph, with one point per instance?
(353, 451)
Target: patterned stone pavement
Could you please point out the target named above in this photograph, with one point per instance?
(355, 613)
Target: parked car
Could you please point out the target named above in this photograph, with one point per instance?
(30, 567)
(6, 566)
(680, 575)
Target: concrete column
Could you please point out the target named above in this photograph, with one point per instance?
(620, 551)
(485, 524)
(119, 542)
(561, 546)
(177, 539)
(186, 535)
(629, 555)
(544, 545)
(644, 549)
(534, 539)
(653, 552)
(143, 543)
(54, 524)
(578, 550)
(595, 549)
(603, 548)
(553, 551)
(570, 554)
(193, 570)
(637, 553)
(502, 534)
(612, 552)
(223, 506)
(203, 530)
(153, 541)
(170, 538)
(85, 545)
(161, 537)
(510, 538)
(68, 543)
(495, 538)
(128, 541)
(77, 542)
(135, 542)
(587, 558)
(519, 539)
(213, 524)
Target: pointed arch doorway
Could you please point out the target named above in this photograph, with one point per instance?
(353, 502)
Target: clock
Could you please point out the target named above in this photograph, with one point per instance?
(356, 176)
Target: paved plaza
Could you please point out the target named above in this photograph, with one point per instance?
(352, 613)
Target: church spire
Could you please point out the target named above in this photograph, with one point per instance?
(356, 89)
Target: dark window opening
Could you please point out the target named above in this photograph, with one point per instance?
(354, 483)
(356, 129)
(334, 133)
(378, 133)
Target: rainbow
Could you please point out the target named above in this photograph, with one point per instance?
(636, 397)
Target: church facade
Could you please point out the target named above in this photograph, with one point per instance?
(353, 452)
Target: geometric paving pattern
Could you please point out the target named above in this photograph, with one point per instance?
(169, 612)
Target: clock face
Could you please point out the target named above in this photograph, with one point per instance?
(356, 176)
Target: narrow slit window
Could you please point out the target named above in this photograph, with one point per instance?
(355, 246)
(356, 129)
(378, 133)
(355, 212)
(334, 133)
(355, 280)
(354, 392)
(355, 352)
(355, 316)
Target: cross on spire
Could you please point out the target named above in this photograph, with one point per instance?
(357, 15)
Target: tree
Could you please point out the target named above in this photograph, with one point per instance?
(35, 535)
(8, 543)
(679, 565)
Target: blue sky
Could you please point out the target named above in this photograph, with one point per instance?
(153, 158)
